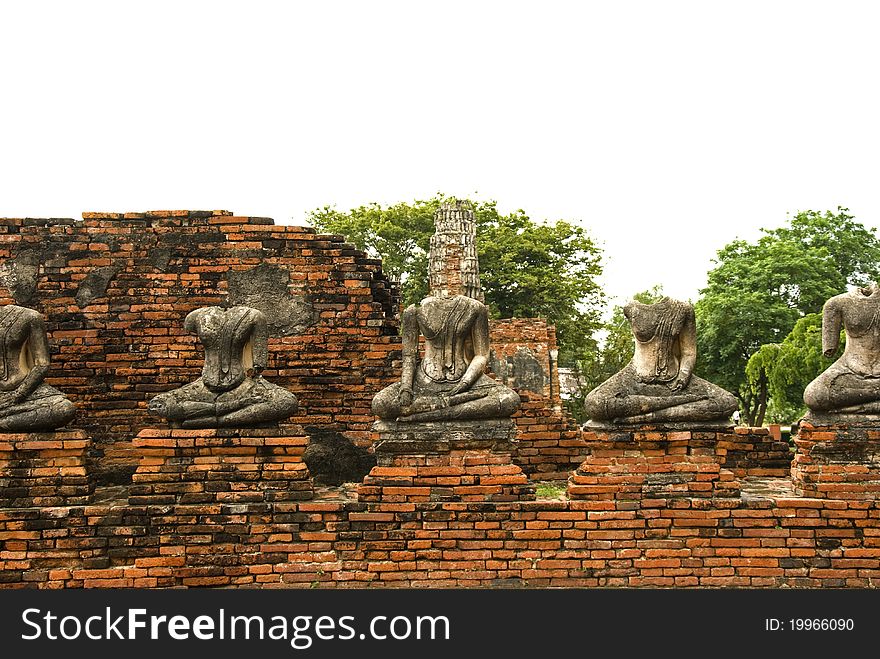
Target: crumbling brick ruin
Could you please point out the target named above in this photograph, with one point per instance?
(114, 289)
(117, 499)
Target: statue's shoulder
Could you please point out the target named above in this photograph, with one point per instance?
(201, 311)
(431, 302)
(474, 308)
(25, 313)
(194, 317)
(471, 303)
(634, 306)
(248, 311)
(843, 299)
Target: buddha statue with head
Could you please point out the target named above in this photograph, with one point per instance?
(27, 404)
(850, 388)
(448, 382)
(231, 393)
(658, 385)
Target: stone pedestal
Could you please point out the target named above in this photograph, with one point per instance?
(449, 461)
(44, 469)
(249, 465)
(837, 461)
(651, 462)
(756, 452)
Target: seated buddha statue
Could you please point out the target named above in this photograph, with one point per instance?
(851, 385)
(27, 404)
(658, 385)
(231, 392)
(449, 381)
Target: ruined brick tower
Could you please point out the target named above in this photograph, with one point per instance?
(453, 267)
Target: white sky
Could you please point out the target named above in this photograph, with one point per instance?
(666, 128)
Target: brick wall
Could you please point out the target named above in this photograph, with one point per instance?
(114, 290)
(775, 540)
(756, 452)
(840, 461)
(44, 469)
(224, 465)
(524, 357)
(756, 532)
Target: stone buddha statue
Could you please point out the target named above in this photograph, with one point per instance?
(231, 392)
(850, 387)
(448, 382)
(658, 385)
(27, 404)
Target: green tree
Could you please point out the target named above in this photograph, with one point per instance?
(527, 268)
(398, 234)
(788, 367)
(758, 291)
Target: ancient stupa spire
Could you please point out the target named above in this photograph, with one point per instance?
(453, 268)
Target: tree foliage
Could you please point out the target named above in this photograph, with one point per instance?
(788, 367)
(757, 292)
(527, 268)
(398, 234)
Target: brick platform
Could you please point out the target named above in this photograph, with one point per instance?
(652, 463)
(44, 469)
(224, 466)
(460, 461)
(755, 452)
(839, 461)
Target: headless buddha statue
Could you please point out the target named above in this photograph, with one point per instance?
(658, 385)
(448, 382)
(851, 385)
(231, 392)
(27, 404)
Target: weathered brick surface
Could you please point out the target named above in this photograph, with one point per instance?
(225, 466)
(524, 354)
(114, 289)
(659, 535)
(732, 542)
(475, 475)
(755, 452)
(649, 463)
(524, 357)
(445, 461)
(837, 462)
(44, 469)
